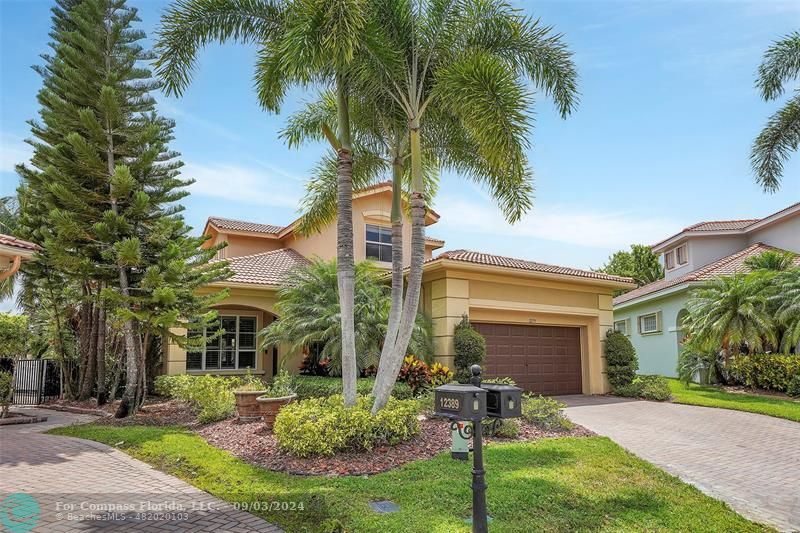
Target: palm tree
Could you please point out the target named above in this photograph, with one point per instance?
(466, 65)
(788, 313)
(300, 43)
(308, 305)
(380, 141)
(732, 311)
(781, 136)
(771, 261)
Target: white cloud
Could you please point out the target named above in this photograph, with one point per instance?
(569, 224)
(241, 184)
(13, 151)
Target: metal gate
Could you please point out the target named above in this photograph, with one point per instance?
(36, 381)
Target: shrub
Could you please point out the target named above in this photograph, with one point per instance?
(470, 348)
(440, 374)
(323, 426)
(545, 413)
(415, 374)
(282, 385)
(210, 396)
(621, 361)
(764, 371)
(504, 429)
(6, 392)
(794, 387)
(655, 388)
(321, 387)
(250, 383)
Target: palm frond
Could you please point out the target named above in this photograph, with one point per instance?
(781, 63)
(776, 142)
(189, 25)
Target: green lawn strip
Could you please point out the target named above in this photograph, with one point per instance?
(563, 484)
(752, 403)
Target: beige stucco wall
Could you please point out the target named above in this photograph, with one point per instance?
(373, 209)
(486, 296)
(241, 301)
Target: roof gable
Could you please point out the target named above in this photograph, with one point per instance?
(727, 227)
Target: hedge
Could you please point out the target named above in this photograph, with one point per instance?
(322, 386)
(765, 371)
(323, 426)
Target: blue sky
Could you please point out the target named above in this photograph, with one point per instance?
(660, 140)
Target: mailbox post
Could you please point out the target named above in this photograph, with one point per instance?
(473, 402)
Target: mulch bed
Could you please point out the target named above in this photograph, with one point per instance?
(737, 389)
(155, 412)
(253, 443)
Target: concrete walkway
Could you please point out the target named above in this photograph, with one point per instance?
(750, 461)
(82, 485)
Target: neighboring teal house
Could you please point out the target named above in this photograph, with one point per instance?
(652, 314)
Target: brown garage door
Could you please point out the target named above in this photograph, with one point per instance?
(541, 359)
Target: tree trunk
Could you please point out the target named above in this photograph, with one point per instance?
(411, 305)
(395, 311)
(344, 248)
(89, 350)
(119, 353)
(101, 355)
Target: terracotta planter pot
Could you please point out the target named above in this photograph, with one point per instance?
(271, 406)
(247, 404)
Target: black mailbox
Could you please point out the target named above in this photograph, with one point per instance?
(503, 401)
(460, 402)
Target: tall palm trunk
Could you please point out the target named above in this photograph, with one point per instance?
(344, 247)
(411, 304)
(382, 379)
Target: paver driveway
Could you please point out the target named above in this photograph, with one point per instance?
(750, 461)
(72, 477)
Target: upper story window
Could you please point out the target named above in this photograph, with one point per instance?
(379, 243)
(681, 254)
(669, 260)
(234, 349)
(676, 257)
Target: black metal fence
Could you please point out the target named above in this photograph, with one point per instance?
(35, 380)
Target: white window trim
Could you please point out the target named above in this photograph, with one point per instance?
(685, 248)
(626, 322)
(640, 319)
(368, 242)
(237, 347)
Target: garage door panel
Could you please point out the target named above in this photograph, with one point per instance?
(541, 359)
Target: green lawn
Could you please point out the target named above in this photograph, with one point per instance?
(714, 397)
(564, 484)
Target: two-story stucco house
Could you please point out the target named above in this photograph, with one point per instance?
(652, 314)
(543, 324)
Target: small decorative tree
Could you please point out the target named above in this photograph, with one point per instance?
(621, 360)
(6, 392)
(470, 348)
